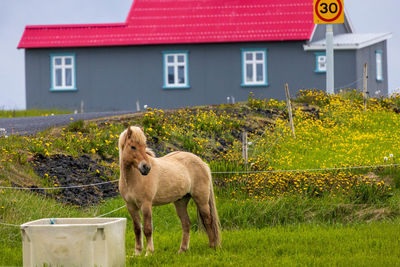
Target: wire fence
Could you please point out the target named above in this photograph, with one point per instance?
(213, 172)
(100, 216)
(58, 187)
(218, 172)
(348, 85)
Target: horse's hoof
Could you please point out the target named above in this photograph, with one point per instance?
(138, 252)
(182, 251)
(149, 253)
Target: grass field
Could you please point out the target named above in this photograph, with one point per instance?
(245, 243)
(270, 217)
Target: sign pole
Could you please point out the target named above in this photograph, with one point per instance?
(330, 75)
(329, 12)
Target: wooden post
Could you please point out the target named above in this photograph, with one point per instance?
(365, 85)
(244, 147)
(289, 106)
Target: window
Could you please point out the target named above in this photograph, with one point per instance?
(320, 62)
(254, 67)
(379, 70)
(176, 69)
(62, 72)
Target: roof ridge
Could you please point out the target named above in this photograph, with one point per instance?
(75, 26)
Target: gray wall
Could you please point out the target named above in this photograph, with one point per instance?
(320, 31)
(114, 78)
(367, 55)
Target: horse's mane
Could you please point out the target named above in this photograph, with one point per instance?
(150, 152)
(138, 135)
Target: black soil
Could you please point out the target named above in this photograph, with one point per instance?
(66, 171)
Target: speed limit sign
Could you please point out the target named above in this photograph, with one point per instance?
(328, 11)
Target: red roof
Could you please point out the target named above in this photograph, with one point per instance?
(185, 21)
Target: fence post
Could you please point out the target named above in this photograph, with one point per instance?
(365, 85)
(244, 147)
(137, 105)
(82, 106)
(289, 106)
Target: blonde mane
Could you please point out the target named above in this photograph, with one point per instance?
(138, 135)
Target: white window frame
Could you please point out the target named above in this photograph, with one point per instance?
(379, 65)
(175, 64)
(63, 67)
(320, 62)
(253, 62)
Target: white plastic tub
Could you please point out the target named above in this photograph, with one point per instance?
(74, 242)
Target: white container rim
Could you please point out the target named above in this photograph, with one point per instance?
(80, 222)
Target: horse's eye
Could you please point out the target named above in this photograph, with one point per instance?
(133, 147)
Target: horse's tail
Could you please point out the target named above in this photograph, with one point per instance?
(215, 223)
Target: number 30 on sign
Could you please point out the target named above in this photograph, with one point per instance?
(328, 11)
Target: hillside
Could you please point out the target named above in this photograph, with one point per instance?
(340, 167)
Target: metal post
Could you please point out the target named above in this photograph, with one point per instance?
(330, 76)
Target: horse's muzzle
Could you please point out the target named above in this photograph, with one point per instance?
(144, 168)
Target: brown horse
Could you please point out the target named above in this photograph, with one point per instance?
(147, 181)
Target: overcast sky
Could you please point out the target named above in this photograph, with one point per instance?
(366, 16)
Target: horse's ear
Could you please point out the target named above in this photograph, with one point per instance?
(129, 132)
(141, 128)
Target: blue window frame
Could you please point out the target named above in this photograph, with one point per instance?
(379, 65)
(175, 67)
(254, 67)
(320, 62)
(63, 72)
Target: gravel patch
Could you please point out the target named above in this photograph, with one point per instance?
(32, 125)
(66, 171)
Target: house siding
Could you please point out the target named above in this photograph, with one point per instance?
(114, 78)
(320, 31)
(367, 55)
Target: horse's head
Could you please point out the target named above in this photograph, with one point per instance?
(134, 151)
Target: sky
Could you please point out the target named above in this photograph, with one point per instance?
(367, 16)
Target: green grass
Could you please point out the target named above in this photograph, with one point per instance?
(31, 113)
(305, 245)
(247, 239)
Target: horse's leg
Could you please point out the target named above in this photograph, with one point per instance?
(204, 209)
(148, 226)
(181, 210)
(137, 227)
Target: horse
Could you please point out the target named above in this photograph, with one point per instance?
(147, 181)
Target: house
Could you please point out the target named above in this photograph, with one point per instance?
(175, 53)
